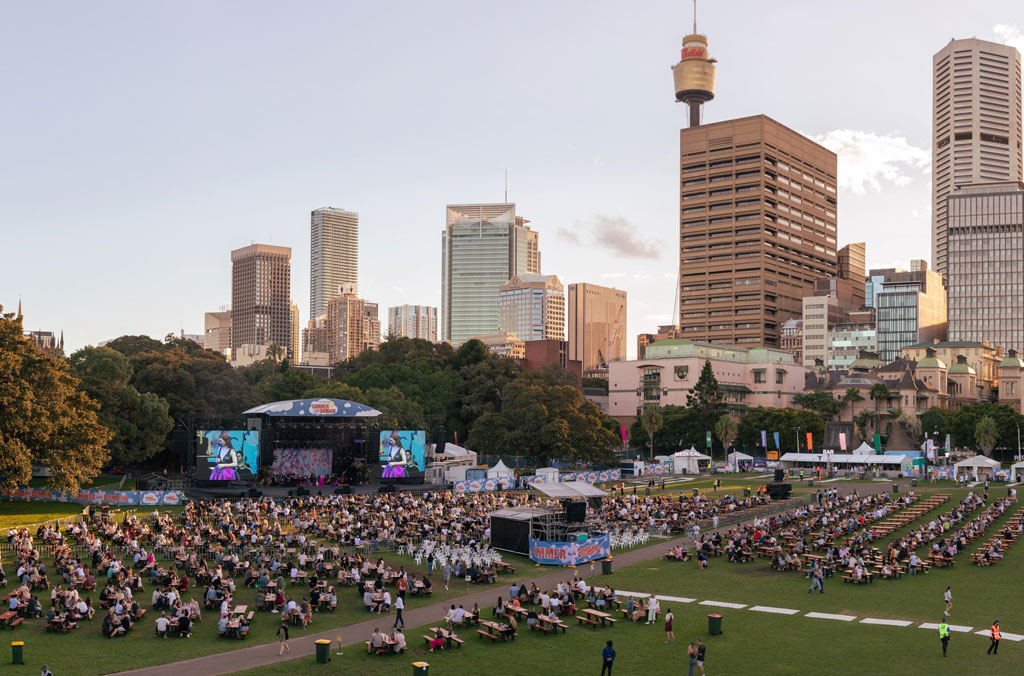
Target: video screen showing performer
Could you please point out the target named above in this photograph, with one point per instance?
(227, 455)
(402, 453)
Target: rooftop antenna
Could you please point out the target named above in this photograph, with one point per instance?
(694, 17)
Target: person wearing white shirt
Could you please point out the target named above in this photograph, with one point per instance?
(162, 623)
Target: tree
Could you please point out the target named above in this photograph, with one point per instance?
(44, 417)
(681, 427)
(912, 423)
(595, 383)
(879, 392)
(706, 397)
(986, 434)
(139, 423)
(965, 421)
(851, 398)
(726, 429)
(275, 352)
(785, 421)
(821, 403)
(863, 420)
(651, 419)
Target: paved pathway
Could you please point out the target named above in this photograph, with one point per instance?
(259, 655)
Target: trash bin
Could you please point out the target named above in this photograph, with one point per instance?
(895, 488)
(323, 649)
(16, 652)
(714, 624)
(606, 566)
(914, 483)
(696, 492)
(420, 669)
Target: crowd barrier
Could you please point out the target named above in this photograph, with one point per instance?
(98, 497)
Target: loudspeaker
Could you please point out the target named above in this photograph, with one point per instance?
(386, 489)
(179, 442)
(780, 476)
(778, 491)
(576, 512)
(300, 491)
(253, 493)
(343, 490)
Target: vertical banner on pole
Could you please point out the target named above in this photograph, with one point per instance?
(842, 441)
(878, 443)
(764, 439)
(709, 438)
(777, 447)
(810, 447)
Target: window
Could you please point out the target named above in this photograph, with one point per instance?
(780, 376)
(759, 376)
(652, 384)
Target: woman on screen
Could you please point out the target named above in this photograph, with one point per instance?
(228, 460)
(398, 458)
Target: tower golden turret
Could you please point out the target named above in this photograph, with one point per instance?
(695, 73)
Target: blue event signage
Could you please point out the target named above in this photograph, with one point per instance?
(570, 553)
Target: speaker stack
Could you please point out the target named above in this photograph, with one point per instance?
(780, 476)
(779, 491)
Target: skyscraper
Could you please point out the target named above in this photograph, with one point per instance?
(413, 321)
(911, 308)
(986, 264)
(351, 326)
(976, 124)
(333, 255)
(757, 227)
(483, 246)
(261, 297)
(217, 331)
(597, 326)
(532, 307)
(293, 327)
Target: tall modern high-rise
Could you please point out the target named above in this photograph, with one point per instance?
(986, 264)
(348, 327)
(757, 227)
(483, 246)
(976, 124)
(296, 344)
(413, 321)
(532, 307)
(911, 308)
(333, 255)
(261, 297)
(597, 326)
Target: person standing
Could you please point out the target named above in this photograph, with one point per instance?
(993, 634)
(447, 574)
(944, 635)
(701, 652)
(46, 671)
(399, 607)
(607, 658)
(652, 609)
(948, 596)
(282, 634)
(691, 655)
(669, 634)
(817, 579)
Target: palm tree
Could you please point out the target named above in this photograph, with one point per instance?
(726, 430)
(851, 398)
(913, 424)
(863, 420)
(879, 392)
(275, 352)
(651, 419)
(985, 434)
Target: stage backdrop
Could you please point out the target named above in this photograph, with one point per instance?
(302, 461)
(228, 455)
(401, 452)
(570, 553)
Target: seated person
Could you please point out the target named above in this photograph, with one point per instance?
(185, 625)
(376, 640)
(397, 641)
(531, 617)
(162, 625)
(222, 625)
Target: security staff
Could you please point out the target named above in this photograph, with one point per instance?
(993, 648)
(944, 635)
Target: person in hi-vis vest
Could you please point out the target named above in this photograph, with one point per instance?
(944, 636)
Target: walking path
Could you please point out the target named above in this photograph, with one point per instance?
(259, 655)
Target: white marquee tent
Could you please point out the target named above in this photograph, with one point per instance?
(979, 466)
(499, 470)
(1014, 470)
(689, 461)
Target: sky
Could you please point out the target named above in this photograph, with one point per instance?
(143, 141)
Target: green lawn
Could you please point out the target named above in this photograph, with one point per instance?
(21, 512)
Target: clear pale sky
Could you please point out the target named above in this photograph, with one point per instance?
(143, 141)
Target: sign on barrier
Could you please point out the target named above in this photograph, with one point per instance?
(97, 497)
(570, 553)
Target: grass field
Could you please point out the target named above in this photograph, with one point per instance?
(753, 642)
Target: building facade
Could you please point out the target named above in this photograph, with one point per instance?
(541, 354)
(348, 327)
(665, 332)
(976, 125)
(757, 227)
(792, 339)
(483, 246)
(296, 334)
(373, 332)
(217, 331)
(749, 377)
(597, 326)
(982, 358)
(986, 263)
(333, 255)
(413, 321)
(910, 308)
(261, 297)
(503, 344)
(532, 307)
(850, 338)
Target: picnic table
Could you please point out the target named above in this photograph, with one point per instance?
(449, 637)
(239, 610)
(502, 631)
(595, 616)
(7, 617)
(386, 648)
(552, 622)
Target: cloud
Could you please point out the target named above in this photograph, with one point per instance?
(867, 159)
(1009, 35)
(568, 235)
(612, 275)
(616, 234)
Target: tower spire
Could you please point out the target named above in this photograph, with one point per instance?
(694, 17)
(19, 307)
(695, 73)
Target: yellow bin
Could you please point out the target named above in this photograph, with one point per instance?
(420, 669)
(17, 656)
(323, 649)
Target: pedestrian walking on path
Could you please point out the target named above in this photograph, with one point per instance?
(282, 633)
(669, 634)
(944, 636)
(993, 633)
(607, 658)
(949, 600)
(399, 607)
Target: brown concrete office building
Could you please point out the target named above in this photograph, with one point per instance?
(597, 326)
(757, 227)
(261, 297)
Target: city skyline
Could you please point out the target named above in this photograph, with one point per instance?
(596, 174)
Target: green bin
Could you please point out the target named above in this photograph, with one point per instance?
(914, 482)
(16, 652)
(606, 566)
(714, 624)
(420, 669)
(323, 650)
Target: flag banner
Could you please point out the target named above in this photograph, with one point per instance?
(764, 439)
(777, 446)
(809, 444)
(878, 443)
(842, 441)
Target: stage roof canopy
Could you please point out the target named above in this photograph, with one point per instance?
(570, 489)
(315, 408)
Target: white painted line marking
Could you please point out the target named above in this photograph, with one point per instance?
(891, 623)
(677, 599)
(723, 604)
(831, 616)
(1002, 634)
(953, 627)
(777, 611)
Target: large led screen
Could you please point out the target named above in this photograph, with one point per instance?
(228, 455)
(402, 453)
